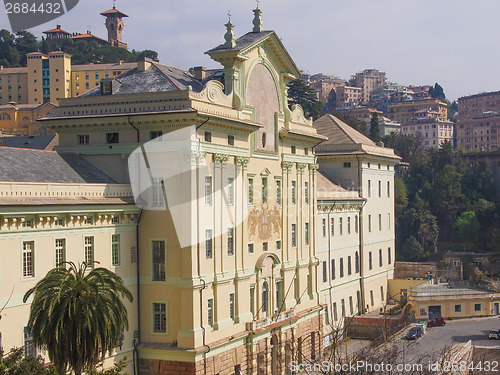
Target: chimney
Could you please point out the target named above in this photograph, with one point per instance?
(143, 64)
(199, 72)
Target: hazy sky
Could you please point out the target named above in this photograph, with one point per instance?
(454, 43)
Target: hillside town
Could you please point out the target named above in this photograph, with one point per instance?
(248, 218)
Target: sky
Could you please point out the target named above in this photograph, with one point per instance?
(418, 42)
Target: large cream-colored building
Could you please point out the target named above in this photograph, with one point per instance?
(404, 112)
(430, 128)
(227, 276)
(355, 231)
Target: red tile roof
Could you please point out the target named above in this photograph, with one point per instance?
(113, 11)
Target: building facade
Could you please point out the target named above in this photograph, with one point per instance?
(368, 80)
(227, 270)
(404, 112)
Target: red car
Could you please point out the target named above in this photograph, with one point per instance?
(436, 322)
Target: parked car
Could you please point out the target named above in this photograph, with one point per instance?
(435, 322)
(414, 333)
(494, 334)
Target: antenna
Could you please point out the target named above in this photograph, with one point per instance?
(229, 15)
(114, 4)
(258, 2)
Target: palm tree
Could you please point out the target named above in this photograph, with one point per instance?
(77, 316)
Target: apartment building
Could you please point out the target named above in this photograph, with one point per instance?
(348, 97)
(368, 80)
(478, 122)
(324, 84)
(404, 112)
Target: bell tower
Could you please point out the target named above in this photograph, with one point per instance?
(114, 24)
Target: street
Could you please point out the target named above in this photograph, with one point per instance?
(430, 346)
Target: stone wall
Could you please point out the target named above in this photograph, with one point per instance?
(270, 353)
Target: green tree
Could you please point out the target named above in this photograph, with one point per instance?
(401, 196)
(301, 93)
(16, 363)
(331, 102)
(374, 128)
(468, 226)
(437, 92)
(413, 250)
(77, 316)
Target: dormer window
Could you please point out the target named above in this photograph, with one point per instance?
(106, 87)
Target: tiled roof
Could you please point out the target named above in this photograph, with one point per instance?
(113, 11)
(38, 142)
(243, 42)
(56, 30)
(88, 36)
(25, 165)
(339, 132)
(327, 190)
(157, 78)
(16, 70)
(114, 66)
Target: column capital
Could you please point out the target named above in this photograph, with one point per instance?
(301, 167)
(242, 161)
(286, 166)
(221, 159)
(313, 168)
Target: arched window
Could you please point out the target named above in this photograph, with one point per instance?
(265, 299)
(26, 118)
(5, 116)
(356, 262)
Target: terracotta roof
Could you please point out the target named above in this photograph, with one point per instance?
(88, 36)
(339, 132)
(113, 11)
(56, 30)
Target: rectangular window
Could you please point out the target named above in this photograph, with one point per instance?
(250, 191)
(332, 226)
(60, 249)
(382, 296)
(97, 76)
(333, 269)
(230, 191)
(349, 266)
(340, 226)
(264, 189)
(294, 235)
(115, 250)
(370, 260)
(27, 223)
(369, 189)
(293, 150)
(369, 223)
(324, 227)
(347, 165)
(325, 272)
(380, 262)
(388, 188)
(372, 300)
(265, 246)
(278, 244)
(154, 134)
(349, 225)
(342, 306)
(389, 221)
(230, 140)
(389, 256)
(230, 241)
(294, 191)
(307, 233)
(278, 193)
(29, 345)
(208, 243)
(306, 192)
(380, 189)
(351, 306)
(231, 306)
(379, 221)
(279, 293)
(89, 220)
(208, 136)
(89, 251)
(208, 190)
(159, 260)
(250, 248)
(252, 300)
(477, 307)
(28, 259)
(157, 192)
(458, 308)
(112, 138)
(83, 139)
(210, 312)
(160, 317)
(341, 267)
(335, 316)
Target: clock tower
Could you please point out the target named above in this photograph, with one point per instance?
(114, 24)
